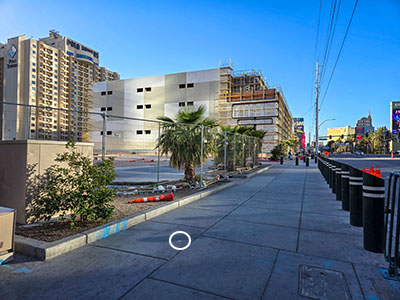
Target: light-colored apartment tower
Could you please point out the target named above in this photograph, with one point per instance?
(55, 72)
(163, 95)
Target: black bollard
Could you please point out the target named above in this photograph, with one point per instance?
(373, 212)
(281, 159)
(345, 187)
(330, 166)
(334, 177)
(355, 197)
(297, 160)
(316, 158)
(307, 161)
(338, 181)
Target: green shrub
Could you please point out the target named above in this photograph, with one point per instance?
(76, 187)
(276, 152)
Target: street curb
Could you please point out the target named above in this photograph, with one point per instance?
(251, 174)
(46, 250)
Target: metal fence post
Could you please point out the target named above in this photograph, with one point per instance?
(225, 144)
(249, 142)
(255, 151)
(244, 143)
(158, 153)
(103, 138)
(234, 152)
(201, 155)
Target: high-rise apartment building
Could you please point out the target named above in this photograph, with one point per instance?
(55, 72)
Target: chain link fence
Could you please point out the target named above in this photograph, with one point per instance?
(138, 145)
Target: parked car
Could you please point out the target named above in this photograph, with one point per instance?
(358, 152)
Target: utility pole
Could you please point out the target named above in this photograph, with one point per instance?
(316, 111)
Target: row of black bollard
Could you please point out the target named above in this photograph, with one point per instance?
(362, 194)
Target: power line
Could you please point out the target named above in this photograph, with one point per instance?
(331, 42)
(340, 51)
(328, 37)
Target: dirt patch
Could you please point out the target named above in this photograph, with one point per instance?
(50, 232)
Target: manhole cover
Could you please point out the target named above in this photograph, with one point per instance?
(322, 284)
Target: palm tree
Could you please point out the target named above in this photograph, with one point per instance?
(182, 139)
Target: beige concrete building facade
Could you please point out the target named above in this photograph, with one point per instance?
(335, 133)
(55, 72)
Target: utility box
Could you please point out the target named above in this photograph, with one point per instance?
(7, 229)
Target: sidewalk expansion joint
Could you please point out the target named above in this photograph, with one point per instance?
(270, 275)
(189, 287)
(170, 223)
(127, 251)
(301, 212)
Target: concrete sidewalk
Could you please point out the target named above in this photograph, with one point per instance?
(279, 235)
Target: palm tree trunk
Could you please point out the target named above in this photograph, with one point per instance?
(189, 172)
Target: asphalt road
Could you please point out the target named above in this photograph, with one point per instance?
(148, 173)
(386, 164)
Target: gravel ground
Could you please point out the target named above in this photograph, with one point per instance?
(54, 231)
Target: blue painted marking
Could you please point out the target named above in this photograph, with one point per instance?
(124, 225)
(8, 267)
(358, 295)
(383, 272)
(23, 270)
(264, 261)
(117, 228)
(106, 232)
(328, 263)
(371, 298)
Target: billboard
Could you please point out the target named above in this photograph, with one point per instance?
(395, 125)
(299, 130)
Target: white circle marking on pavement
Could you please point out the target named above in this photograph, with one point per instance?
(179, 232)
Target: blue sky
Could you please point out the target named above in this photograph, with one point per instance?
(143, 38)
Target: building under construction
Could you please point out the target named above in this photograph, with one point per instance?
(246, 99)
(234, 98)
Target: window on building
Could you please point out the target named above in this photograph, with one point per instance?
(109, 132)
(148, 89)
(33, 64)
(139, 131)
(139, 90)
(148, 106)
(33, 70)
(190, 85)
(55, 76)
(181, 103)
(109, 108)
(33, 82)
(189, 103)
(101, 132)
(109, 93)
(182, 86)
(33, 51)
(103, 109)
(103, 93)
(147, 131)
(33, 45)
(139, 106)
